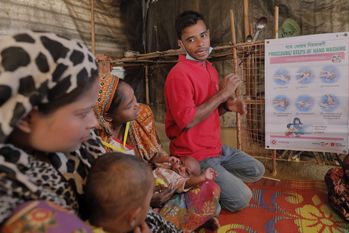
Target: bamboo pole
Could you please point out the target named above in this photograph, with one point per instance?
(246, 19)
(247, 67)
(276, 22)
(233, 40)
(196, 5)
(161, 54)
(93, 33)
(146, 75)
(235, 66)
(276, 30)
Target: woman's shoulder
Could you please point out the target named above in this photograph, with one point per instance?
(145, 113)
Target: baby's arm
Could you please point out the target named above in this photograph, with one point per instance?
(208, 174)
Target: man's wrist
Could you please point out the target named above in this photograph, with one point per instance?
(224, 105)
(223, 96)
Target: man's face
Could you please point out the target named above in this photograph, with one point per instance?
(196, 40)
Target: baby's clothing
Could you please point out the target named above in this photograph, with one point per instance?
(170, 178)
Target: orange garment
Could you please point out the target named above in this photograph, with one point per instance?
(143, 135)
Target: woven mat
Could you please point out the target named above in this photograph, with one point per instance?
(285, 207)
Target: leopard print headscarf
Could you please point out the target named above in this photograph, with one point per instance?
(38, 68)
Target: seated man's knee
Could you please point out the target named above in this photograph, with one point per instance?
(259, 171)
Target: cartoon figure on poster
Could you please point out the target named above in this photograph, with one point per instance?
(295, 129)
(329, 74)
(305, 75)
(304, 103)
(329, 103)
(281, 103)
(282, 77)
(336, 58)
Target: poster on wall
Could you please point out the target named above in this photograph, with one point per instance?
(306, 93)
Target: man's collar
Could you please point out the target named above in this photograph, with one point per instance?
(188, 57)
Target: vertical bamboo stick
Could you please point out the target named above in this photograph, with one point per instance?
(93, 33)
(235, 66)
(146, 75)
(276, 22)
(276, 30)
(196, 5)
(246, 19)
(247, 68)
(233, 40)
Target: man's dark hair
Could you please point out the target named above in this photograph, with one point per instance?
(186, 19)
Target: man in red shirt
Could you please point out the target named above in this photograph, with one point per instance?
(194, 103)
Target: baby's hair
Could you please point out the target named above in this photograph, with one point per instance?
(116, 183)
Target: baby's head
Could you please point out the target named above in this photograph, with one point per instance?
(118, 192)
(188, 167)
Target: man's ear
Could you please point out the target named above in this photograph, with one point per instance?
(180, 44)
(132, 216)
(25, 123)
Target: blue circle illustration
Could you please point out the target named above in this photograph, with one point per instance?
(281, 103)
(329, 74)
(282, 77)
(329, 103)
(304, 103)
(305, 75)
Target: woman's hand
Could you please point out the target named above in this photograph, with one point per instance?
(161, 196)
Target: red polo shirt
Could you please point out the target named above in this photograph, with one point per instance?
(188, 85)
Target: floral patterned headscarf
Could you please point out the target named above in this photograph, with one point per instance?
(108, 85)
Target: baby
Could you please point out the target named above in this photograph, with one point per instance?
(182, 174)
(118, 192)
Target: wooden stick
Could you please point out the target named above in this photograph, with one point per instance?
(235, 66)
(176, 52)
(276, 30)
(276, 22)
(233, 40)
(146, 75)
(246, 19)
(247, 64)
(270, 178)
(196, 5)
(93, 33)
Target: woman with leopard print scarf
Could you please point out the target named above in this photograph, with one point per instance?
(48, 88)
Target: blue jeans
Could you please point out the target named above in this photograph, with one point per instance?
(234, 167)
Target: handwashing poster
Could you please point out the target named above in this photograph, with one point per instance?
(306, 93)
